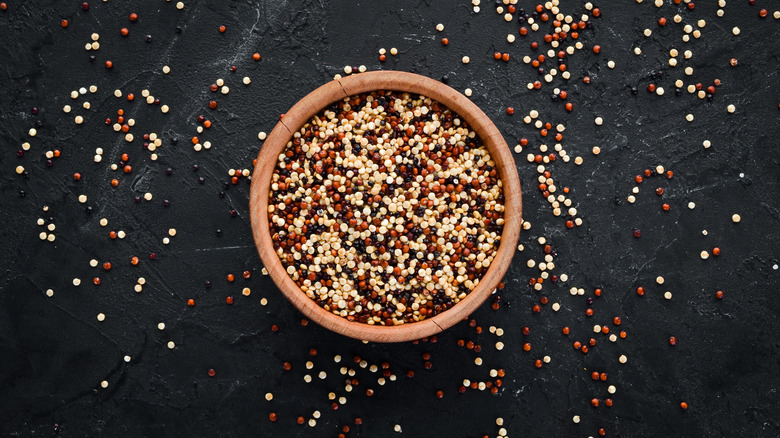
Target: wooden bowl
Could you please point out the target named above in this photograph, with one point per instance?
(332, 92)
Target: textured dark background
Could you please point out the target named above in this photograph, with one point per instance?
(54, 353)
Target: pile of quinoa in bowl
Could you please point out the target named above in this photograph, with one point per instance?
(386, 208)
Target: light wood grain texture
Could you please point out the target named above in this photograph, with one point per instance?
(334, 91)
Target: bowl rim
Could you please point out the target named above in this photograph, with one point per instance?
(334, 91)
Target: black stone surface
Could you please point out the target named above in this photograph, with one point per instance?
(54, 353)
